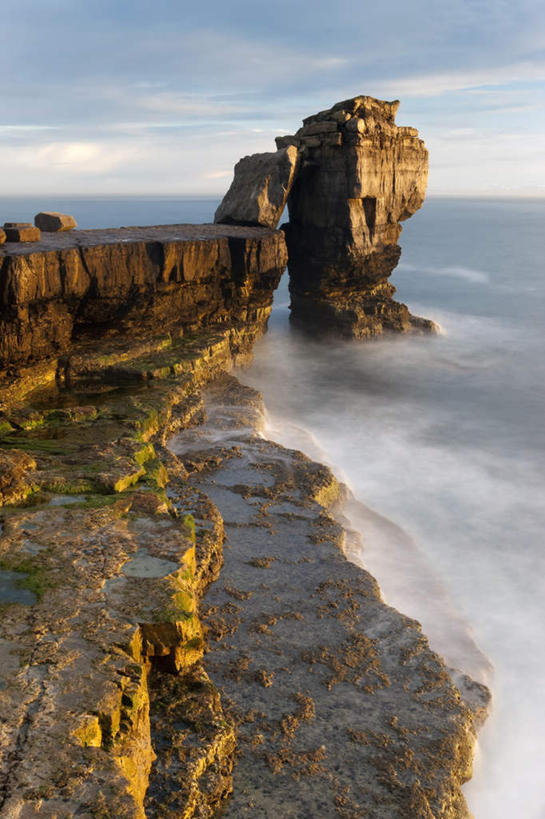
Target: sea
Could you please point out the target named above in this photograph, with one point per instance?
(441, 440)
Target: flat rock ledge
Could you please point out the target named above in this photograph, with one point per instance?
(290, 671)
(130, 280)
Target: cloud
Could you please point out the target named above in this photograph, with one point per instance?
(203, 84)
(14, 129)
(218, 174)
(74, 157)
(191, 105)
(434, 84)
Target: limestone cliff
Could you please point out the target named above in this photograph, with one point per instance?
(184, 277)
(360, 175)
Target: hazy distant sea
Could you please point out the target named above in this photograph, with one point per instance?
(442, 439)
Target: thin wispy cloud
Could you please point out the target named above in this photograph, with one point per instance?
(431, 85)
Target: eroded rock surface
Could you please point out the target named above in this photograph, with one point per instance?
(360, 175)
(341, 708)
(260, 189)
(108, 541)
(105, 709)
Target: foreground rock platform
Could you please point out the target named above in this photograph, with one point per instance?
(341, 707)
(101, 572)
(108, 543)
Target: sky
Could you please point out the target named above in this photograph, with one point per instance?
(162, 97)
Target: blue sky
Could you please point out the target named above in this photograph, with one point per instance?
(164, 97)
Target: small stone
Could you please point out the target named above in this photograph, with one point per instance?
(54, 222)
(21, 232)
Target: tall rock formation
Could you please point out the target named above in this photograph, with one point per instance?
(359, 176)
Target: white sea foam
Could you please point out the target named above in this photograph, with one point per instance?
(466, 273)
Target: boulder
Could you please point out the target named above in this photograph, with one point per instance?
(21, 232)
(260, 189)
(52, 221)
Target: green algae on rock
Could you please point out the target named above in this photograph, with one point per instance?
(112, 581)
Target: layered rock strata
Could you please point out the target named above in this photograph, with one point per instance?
(109, 541)
(105, 552)
(184, 277)
(360, 175)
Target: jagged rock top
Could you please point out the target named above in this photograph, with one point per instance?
(357, 106)
(359, 173)
(348, 121)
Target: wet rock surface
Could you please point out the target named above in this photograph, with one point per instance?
(341, 707)
(101, 571)
(314, 698)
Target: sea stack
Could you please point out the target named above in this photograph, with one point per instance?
(355, 177)
(360, 175)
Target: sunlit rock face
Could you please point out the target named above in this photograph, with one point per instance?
(259, 190)
(176, 278)
(359, 176)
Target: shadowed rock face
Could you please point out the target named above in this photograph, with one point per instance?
(360, 175)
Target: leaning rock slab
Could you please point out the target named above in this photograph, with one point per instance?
(260, 189)
(53, 222)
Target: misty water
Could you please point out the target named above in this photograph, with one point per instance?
(441, 440)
